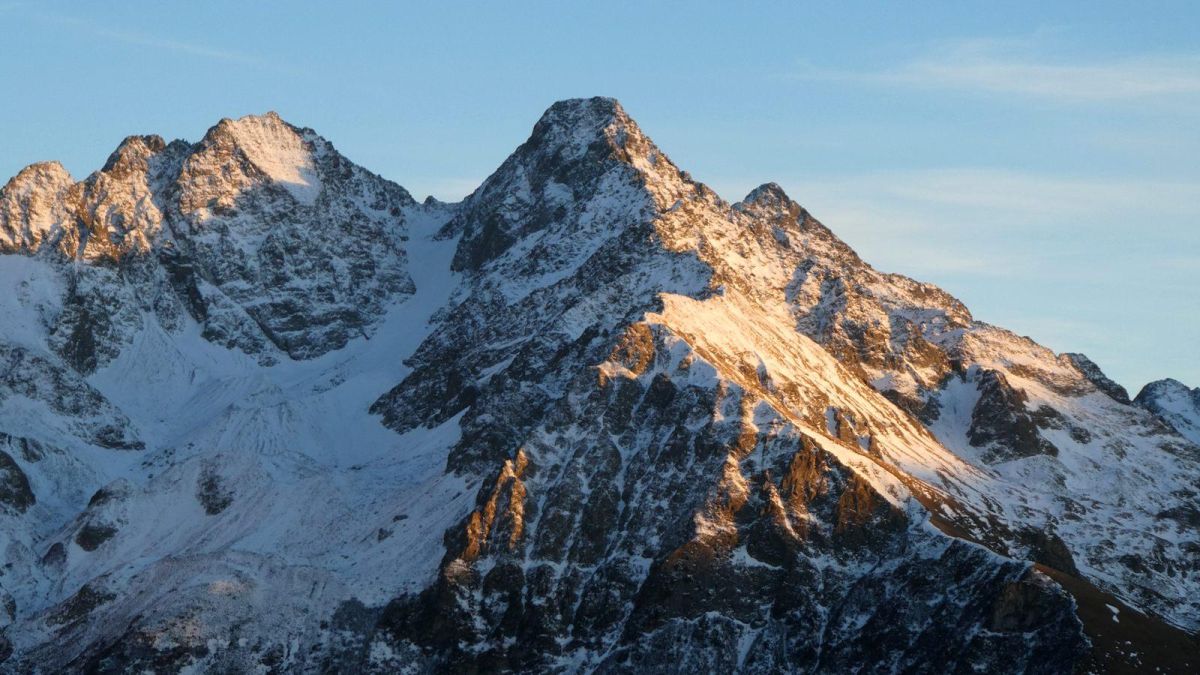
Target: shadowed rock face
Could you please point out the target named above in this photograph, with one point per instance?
(307, 243)
(1000, 421)
(720, 547)
(15, 493)
(626, 427)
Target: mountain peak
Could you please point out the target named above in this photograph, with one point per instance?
(282, 153)
(31, 205)
(269, 118)
(574, 112)
(1174, 403)
(581, 152)
(253, 130)
(767, 194)
(39, 173)
(770, 200)
(134, 149)
(1166, 385)
(571, 126)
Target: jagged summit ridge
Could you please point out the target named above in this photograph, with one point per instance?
(261, 232)
(1097, 377)
(134, 149)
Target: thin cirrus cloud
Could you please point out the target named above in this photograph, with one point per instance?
(966, 221)
(1037, 195)
(153, 42)
(176, 46)
(1016, 196)
(1012, 67)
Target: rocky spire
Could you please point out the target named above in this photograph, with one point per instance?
(578, 122)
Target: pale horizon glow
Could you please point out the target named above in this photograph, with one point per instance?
(1037, 162)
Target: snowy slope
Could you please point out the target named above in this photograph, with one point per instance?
(267, 464)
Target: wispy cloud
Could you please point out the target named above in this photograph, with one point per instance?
(1030, 197)
(1026, 249)
(1040, 196)
(948, 202)
(177, 46)
(1015, 67)
(972, 223)
(156, 42)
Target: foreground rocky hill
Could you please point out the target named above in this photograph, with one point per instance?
(262, 412)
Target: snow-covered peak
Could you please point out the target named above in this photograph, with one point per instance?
(1175, 404)
(585, 167)
(261, 232)
(1165, 386)
(584, 131)
(577, 122)
(309, 242)
(281, 153)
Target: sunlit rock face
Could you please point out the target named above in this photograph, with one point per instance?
(262, 412)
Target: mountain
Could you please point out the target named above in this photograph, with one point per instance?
(263, 412)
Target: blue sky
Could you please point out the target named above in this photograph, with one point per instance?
(1040, 162)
